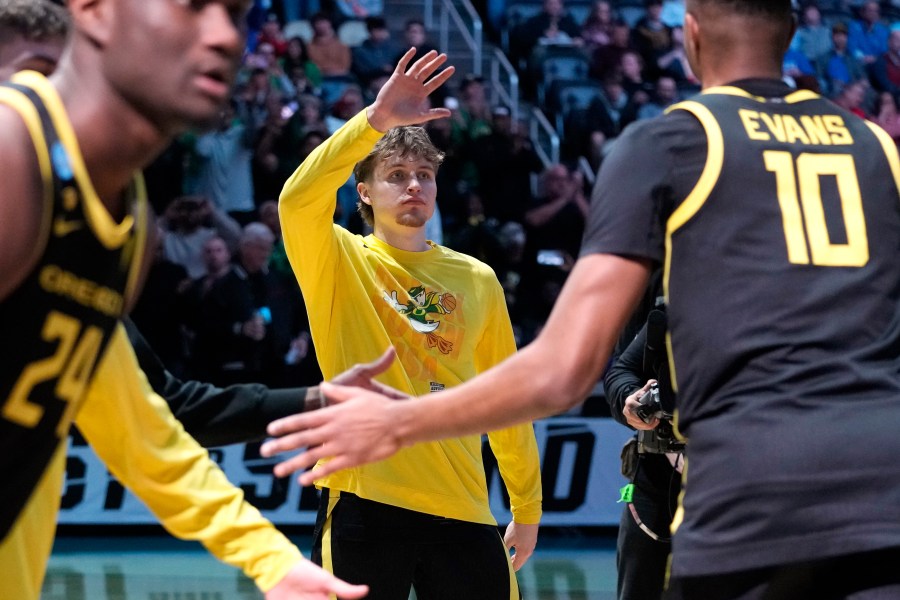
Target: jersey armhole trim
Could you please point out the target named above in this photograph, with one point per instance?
(890, 150)
(20, 103)
(110, 234)
(715, 157)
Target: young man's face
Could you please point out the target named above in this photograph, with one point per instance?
(401, 192)
(175, 60)
(20, 54)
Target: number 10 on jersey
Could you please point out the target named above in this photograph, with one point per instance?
(803, 211)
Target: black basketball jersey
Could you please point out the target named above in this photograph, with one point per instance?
(56, 324)
(777, 219)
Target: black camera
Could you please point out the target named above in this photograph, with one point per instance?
(650, 404)
(662, 438)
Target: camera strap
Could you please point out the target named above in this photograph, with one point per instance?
(644, 528)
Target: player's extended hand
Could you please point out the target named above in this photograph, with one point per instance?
(307, 581)
(362, 375)
(403, 99)
(358, 430)
(521, 538)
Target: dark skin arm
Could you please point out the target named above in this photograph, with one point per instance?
(21, 202)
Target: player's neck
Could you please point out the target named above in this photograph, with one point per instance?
(723, 74)
(411, 239)
(114, 139)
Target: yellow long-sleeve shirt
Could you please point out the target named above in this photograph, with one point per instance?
(443, 311)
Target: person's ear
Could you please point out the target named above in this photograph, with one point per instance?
(93, 19)
(692, 43)
(363, 190)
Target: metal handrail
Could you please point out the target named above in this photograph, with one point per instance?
(502, 75)
(540, 125)
(473, 37)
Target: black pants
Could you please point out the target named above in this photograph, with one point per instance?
(863, 576)
(391, 549)
(641, 561)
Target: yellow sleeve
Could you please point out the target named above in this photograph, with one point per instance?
(132, 430)
(514, 447)
(307, 202)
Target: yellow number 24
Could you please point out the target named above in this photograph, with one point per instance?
(73, 362)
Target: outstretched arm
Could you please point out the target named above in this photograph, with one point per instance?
(217, 416)
(548, 376)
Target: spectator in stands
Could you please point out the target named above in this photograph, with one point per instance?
(885, 71)
(796, 67)
(278, 301)
(226, 157)
(299, 68)
(813, 37)
(219, 314)
(506, 160)
(282, 141)
(852, 97)
(589, 131)
(329, 53)
(256, 96)
(415, 36)
(839, 67)
(868, 35)
(613, 108)
(651, 37)
(597, 28)
(268, 216)
(886, 115)
(374, 58)
(271, 34)
(664, 96)
(553, 25)
(190, 222)
(636, 86)
(606, 59)
(674, 62)
(350, 102)
(473, 119)
(556, 219)
(266, 58)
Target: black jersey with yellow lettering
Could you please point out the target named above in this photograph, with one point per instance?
(56, 324)
(776, 216)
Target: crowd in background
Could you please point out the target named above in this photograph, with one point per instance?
(222, 304)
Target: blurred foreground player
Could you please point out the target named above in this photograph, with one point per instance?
(74, 223)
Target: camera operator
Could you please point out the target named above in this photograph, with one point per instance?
(640, 396)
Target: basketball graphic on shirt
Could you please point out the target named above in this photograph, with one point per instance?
(448, 301)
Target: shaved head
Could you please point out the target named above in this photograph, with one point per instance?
(727, 40)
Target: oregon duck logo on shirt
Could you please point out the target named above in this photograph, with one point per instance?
(421, 305)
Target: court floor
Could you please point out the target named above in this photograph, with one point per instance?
(568, 565)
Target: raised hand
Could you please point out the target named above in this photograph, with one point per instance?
(403, 99)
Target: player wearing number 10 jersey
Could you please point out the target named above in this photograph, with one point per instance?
(776, 217)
